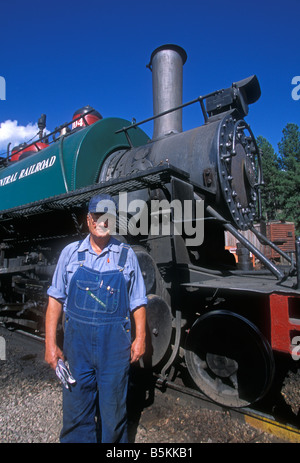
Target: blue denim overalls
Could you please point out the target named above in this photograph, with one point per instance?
(97, 346)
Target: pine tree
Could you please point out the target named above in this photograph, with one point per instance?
(289, 163)
(272, 191)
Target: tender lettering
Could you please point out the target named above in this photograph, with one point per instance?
(33, 169)
(8, 179)
(37, 167)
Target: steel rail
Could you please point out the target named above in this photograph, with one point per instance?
(263, 421)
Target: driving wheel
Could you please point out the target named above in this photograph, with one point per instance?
(229, 359)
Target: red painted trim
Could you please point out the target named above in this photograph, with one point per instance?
(281, 323)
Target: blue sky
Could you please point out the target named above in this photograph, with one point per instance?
(59, 56)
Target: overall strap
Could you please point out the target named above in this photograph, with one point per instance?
(123, 255)
(80, 254)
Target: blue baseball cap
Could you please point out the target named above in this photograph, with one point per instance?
(103, 203)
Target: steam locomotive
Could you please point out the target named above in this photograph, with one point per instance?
(223, 321)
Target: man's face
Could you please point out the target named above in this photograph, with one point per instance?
(98, 224)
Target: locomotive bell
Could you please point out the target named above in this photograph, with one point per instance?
(166, 64)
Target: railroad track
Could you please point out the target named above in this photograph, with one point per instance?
(262, 421)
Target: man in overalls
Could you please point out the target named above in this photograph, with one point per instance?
(98, 283)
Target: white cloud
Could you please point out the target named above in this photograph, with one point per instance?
(11, 132)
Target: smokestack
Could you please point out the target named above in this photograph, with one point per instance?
(166, 64)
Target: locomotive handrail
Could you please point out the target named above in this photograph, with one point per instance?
(45, 137)
(200, 100)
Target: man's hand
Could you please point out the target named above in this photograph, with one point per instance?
(52, 351)
(52, 354)
(138, 346)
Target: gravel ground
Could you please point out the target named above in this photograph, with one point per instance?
(31, 407)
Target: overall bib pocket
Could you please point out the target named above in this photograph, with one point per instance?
(96, 296)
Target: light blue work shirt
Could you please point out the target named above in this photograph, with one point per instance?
(107, 260)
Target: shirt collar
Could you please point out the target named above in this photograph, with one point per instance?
(112, 245)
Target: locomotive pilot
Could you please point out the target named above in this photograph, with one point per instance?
(97, 282)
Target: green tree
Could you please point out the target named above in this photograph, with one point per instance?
(272, 191)
(289, 163)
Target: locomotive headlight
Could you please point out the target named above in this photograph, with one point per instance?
(238, 96)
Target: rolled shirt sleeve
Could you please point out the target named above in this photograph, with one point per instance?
(58, 288)
(137, 290)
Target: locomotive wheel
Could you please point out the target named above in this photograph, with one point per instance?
(159, 316)
(159, 330)
(148, 268)
(229, 359)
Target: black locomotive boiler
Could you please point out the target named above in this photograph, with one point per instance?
(220, 322)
